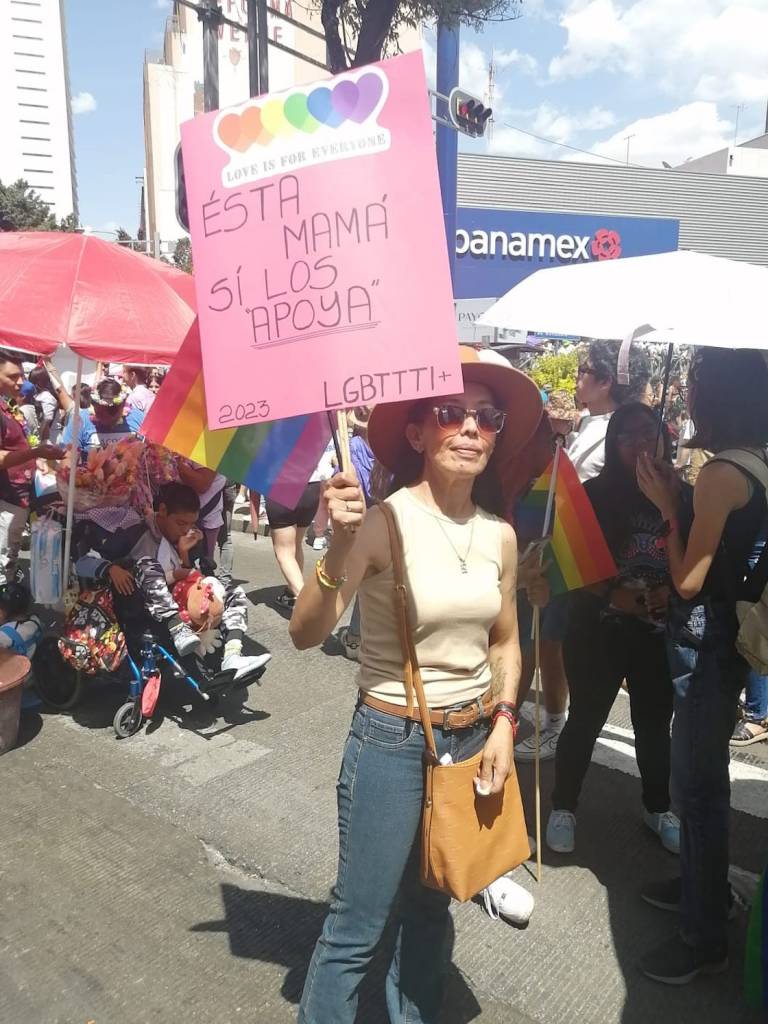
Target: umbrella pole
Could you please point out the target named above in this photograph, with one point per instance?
(665, 389)
(72, 472)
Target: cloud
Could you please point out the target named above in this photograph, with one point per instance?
(523, 62)
(688, 47)
(163, 5)
(473, 72)
(679, 135)
(83, 103)
(551, 124)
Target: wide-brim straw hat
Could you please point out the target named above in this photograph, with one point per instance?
(513, 392)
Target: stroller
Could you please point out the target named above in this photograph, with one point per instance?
(111, 634)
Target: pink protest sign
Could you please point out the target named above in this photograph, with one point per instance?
(319, 249)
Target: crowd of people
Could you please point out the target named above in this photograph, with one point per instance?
(685, 540)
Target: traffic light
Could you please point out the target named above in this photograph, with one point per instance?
(182, 211)
(468, 114)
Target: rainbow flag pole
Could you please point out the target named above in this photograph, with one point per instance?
(536, 637)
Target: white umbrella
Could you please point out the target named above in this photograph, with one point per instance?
(681, 298)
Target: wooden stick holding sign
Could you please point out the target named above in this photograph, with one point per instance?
(342, 427)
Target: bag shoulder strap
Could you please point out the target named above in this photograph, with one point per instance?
(753, 460)
(411, 671)
(211, 504)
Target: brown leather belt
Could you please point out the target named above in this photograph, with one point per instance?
(446, 718)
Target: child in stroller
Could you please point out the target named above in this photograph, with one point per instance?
(152, 567)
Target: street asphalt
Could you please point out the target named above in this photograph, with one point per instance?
(182, 875)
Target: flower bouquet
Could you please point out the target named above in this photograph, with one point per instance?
(108, 477)
(161, 465)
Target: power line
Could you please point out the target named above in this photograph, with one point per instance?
(575, 149)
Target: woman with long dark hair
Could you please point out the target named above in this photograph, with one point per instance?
(461, 562)
(616, 632)
(709, 553)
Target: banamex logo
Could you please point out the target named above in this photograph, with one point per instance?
(350, 103)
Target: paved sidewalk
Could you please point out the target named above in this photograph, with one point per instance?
(182, 875)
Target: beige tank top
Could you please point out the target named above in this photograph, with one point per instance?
(451, 611)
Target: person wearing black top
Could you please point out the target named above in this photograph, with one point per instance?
(709, 552)
(616, 632)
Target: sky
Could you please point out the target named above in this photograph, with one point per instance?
(585, 74)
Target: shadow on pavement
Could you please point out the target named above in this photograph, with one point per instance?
(623, 855)
(268, 596)
(177, 706)
(30, 724)
(278, 929)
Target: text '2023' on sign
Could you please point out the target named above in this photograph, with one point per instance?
(319, 250)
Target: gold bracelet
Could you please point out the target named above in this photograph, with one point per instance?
(327, 581)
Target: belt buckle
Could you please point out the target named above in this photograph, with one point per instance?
(451, 710)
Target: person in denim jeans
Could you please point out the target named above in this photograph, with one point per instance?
(709, 554)
(752, 726)
(460, 562)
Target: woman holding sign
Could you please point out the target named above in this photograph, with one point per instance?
(460, 557)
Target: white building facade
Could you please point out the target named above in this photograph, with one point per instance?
(173, 90)
(35, 115)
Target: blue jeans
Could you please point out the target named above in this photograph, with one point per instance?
(380, 792)
(708, 676)
(756, 704)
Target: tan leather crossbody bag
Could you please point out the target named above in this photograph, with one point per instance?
(467, 841)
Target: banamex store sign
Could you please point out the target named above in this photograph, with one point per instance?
(497, 248)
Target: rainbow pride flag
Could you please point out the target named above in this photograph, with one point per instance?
(577, 550)
(276, 458)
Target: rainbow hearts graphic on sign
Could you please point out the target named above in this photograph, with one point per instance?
(349, 101)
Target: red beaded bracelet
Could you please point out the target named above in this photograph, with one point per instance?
(503, 713)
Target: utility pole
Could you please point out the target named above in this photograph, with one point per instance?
(447, 140)
(739, 108)
(258, 46)
(208, 12)
(628, 139)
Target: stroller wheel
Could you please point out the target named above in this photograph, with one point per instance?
(58, 684)
(127, 720)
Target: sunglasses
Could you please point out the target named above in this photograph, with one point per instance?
(488, 420)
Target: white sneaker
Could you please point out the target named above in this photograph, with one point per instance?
(319, 544)
(350, 643)
(243, 665)
(561, 832)
(505, 898)
(526, 749)
(185, 639)
(667, 828)
(528, 712)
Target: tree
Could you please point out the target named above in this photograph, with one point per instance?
(22, 209)
(556, 371)
(69, 223)
(376, 24)
(182, 255)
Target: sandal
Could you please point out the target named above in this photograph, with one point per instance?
(747, 732)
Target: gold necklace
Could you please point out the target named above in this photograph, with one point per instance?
(462, 561)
